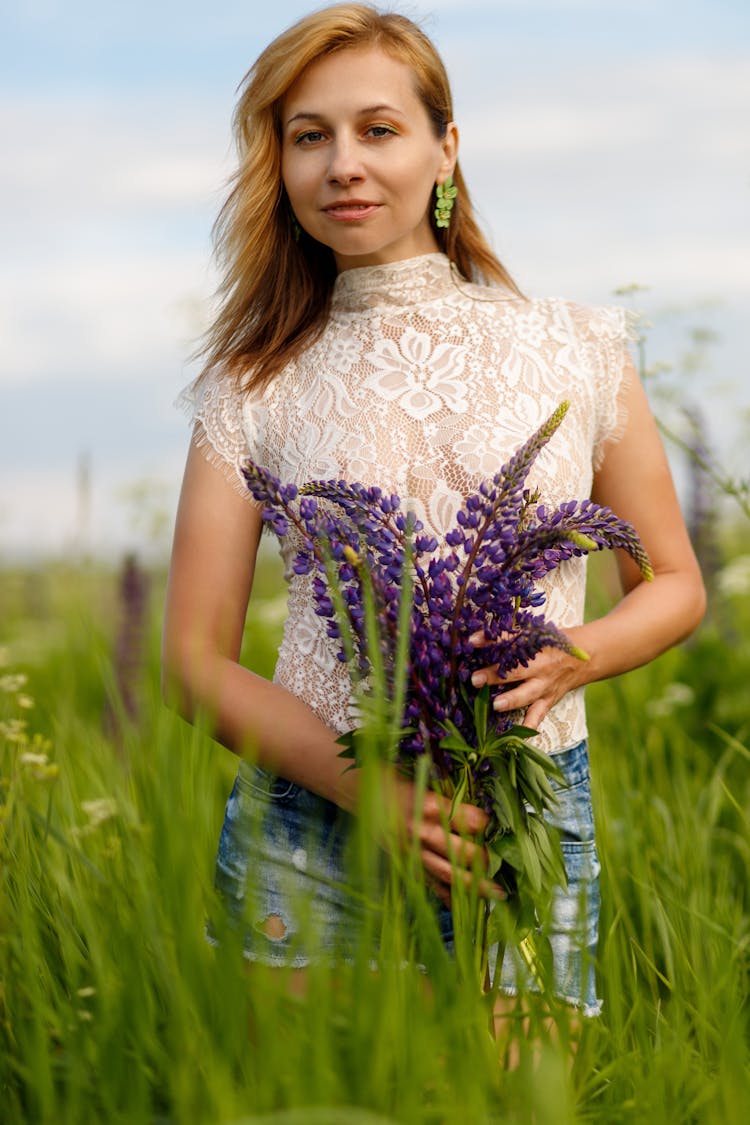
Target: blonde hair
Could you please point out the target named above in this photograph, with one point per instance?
(275, 292)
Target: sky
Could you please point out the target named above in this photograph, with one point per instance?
(606, 144)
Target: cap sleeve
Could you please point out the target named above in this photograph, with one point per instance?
(604, 333)
(226, 426)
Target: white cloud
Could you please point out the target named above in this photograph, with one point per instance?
(625, 103)
(105, 221)
(590, 175)
(71, 154)
(492, 7)
(100, 318)
(631, 171)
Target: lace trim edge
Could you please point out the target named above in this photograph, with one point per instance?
(201, 439)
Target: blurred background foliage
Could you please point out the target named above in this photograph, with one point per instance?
(112, 1006)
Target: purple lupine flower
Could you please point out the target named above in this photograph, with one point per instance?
(483, 580)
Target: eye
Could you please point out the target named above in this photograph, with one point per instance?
(378, 131)
(310, 137)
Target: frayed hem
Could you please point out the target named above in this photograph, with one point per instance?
(303, 961)
(588, 1011)
(277, 961)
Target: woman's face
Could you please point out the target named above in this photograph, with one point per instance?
(360, 158)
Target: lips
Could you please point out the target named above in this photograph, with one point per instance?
(351, 209)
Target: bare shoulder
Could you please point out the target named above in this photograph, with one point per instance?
(635, 461)
(211, 504)
(635, 481)
(216, 538)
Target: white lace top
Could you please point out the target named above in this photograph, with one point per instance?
(425, 384)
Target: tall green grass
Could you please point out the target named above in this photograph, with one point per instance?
(114, 1008)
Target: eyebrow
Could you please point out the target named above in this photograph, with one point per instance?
(305, 115)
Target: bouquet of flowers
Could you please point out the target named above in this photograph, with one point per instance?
(395, 601)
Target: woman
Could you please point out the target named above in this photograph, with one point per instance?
(364, 333)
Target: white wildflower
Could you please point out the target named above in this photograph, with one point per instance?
(674, 696)
(29, 758)
(12, 682)
(38, 764)
(14, 730)
(734, 578)
(272, 612)
(99, 810)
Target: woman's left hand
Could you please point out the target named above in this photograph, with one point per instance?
(537, 687)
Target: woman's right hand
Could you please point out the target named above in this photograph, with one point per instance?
(448, 850)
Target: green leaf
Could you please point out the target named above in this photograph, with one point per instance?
(503, 922)
(503, 797)
(532, 867)
(454, 740)
(546, 761)
(349, 742)
(481, 711)
(518, 731)
(506, 849)
(529, 789)
(459, 794)
(494, 859)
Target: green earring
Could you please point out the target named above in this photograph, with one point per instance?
(296, 228)
(446, 197)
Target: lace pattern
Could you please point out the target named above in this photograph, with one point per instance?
(425, 384)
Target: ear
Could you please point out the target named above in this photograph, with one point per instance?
(449, 145)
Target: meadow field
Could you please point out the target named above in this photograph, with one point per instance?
(113, 1007)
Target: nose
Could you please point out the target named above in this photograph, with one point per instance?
(344, 166)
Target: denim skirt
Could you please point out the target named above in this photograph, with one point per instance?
(283, 878)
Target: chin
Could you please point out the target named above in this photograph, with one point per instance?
(349, 257)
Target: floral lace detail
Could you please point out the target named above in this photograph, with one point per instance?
(425, 384)
(419, 374)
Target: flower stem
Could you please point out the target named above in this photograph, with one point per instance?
(531, 959)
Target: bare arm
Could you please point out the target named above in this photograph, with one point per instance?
(213, 559)
(635, 482)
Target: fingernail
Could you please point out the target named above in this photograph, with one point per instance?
(478, 680)
(499, 703)
(475, 638)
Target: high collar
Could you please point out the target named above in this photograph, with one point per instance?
(412, 281)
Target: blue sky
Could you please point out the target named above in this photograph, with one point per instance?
(605, 142)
